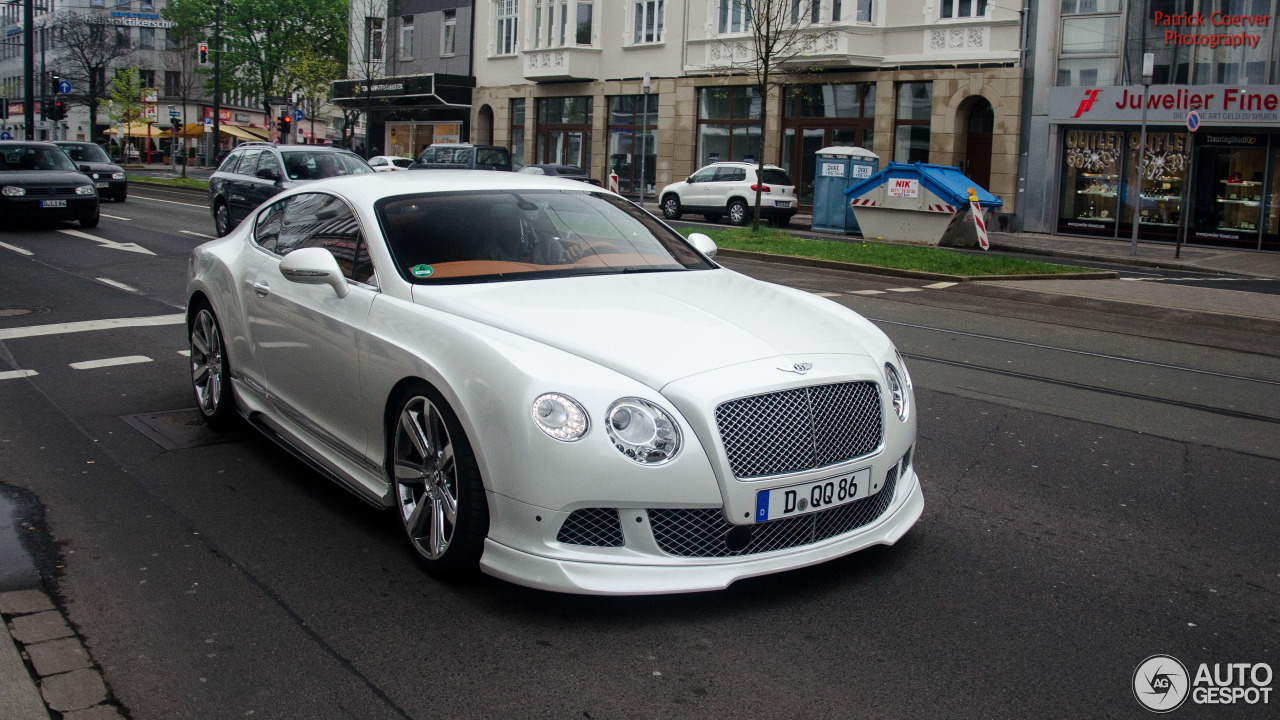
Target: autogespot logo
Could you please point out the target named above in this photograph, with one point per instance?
(1160, 683)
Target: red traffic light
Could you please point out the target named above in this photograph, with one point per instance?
(204, 54)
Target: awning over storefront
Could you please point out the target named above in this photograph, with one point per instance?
(137, 130)
(244, 133)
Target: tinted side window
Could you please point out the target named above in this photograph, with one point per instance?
(731, 174)
(319, 220)
(776, 177)
(492, 157)
(267, 230)
(229, 165)
(248, 162)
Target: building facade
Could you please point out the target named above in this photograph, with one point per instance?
(1217, 58)
(912, 80)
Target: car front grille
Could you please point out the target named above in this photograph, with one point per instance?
(49, 191)
(802, 429)
(703, 532)
(596, 527)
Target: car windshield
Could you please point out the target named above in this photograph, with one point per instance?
(315, 164)
(520, 235)
(447, 155)
(36, 157)
(86, 152)
(776, 177)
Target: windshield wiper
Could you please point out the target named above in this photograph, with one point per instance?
(636, 269)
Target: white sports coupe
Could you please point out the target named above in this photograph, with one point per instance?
(548, 383)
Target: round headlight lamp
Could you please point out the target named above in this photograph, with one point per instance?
(898, 391)
(642, 431)
(560, 416)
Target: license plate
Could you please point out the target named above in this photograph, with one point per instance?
(102, 184)
(53, 203)
(782, 203)
(813, 496)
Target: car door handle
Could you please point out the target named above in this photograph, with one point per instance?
(262, 289)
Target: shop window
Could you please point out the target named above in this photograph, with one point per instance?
(818, 116)
(1234, 197)
(627, 120)
(564, 131)
(1158, 183)
(911, 126)
(1273, 202)
(1091, 182)
(517, 133)
(729, 125)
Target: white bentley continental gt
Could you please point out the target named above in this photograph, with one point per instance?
(548, 383)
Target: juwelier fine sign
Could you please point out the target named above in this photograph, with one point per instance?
(1218, 105)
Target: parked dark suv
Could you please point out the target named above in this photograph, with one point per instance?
(255, 171)
(463, 156)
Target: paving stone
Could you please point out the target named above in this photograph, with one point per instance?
(97, 712)
(24, 602)
(28, 629)
(76, 690)
(58, 656)
(19, 699)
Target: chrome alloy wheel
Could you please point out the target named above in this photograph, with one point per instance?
(222, 219)
(426, 474)
(206, 362)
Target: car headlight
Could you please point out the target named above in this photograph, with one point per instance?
(642, 431)
(560, 416)
(903, 364)
(117, 176)
(14, 191)
(86, 190)
(898, 390)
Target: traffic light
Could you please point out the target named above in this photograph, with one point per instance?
(203, 54)
(286, 124)
(59, 110)
(55, 83)
(46, 109)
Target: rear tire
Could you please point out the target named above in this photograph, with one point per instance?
(671, 207)
(739, 213)
(439, 496)
(222, 219)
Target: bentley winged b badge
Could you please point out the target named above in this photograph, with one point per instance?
(798, 368)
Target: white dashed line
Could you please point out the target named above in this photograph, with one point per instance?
(16, 249)
(15, 374)
(184, 353)
(905, 290)
(86, 325)
(171, 202)
(115, 217)
(109, 362)
(940, 286)
(192, 232)
(115, 284)
(828, 294)
(866, 292)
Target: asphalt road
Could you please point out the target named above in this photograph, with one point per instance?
(1098, 489)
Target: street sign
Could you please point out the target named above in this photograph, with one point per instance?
(64, 87)
(208, 125)
(1193, 121)
(5, 135)
(174, 113)
(297, 116)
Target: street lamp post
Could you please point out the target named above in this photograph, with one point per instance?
(644, 135)
(1148, 69)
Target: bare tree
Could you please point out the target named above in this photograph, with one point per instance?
(783, 34)
(90, 47)
(366, 63)
(191, 20)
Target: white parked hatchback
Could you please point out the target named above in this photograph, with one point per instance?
(729, 188)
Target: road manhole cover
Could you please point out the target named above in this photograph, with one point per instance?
(180, 429)
(16, 312)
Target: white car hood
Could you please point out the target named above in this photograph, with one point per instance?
(660, 327)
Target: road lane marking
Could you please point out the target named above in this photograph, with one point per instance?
(86, 325)
(109, 244)
(193, 232)
(115, 217)
(171, 202)
(940, 286)
(15, 374)
(866, 292)
(110, 362)
(184, 353)
(120, 285)
(905, 290)
(828, 294)
(16, 249)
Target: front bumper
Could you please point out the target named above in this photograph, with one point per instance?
(28, 207)
(641, 576)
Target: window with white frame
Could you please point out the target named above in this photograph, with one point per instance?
(735, 16)
(582, 29)
(861, 11)
(506, 41)
(406, 38)
(537, 24)
(449, 33)
(372, 39)
(962, 8)
(649, 20)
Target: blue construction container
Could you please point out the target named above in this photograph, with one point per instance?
(919, 203)
(835, 170)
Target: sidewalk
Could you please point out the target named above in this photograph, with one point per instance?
(1198, 258)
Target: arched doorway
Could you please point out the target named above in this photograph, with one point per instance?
(981, 120)
(484, 126)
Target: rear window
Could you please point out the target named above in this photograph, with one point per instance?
(313, 165)
(569, 170)
(447, 156)
(493, 157)
(86, 152)
(776, 177)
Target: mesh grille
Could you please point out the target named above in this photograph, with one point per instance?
(598, 527)
(802, 429)
(701, 532)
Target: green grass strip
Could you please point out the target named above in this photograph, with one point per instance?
(879, 254)
(187, 182)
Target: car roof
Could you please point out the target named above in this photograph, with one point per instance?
(25, 143)
(767, 166)
(367, 188)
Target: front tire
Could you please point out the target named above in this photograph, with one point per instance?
(671, 207)
(738, 213)
(439, 496)
(222, 219)
(210, 370)
(90, 222)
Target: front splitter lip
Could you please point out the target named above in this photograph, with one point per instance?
(597, 578)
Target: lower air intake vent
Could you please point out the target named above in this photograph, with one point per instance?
(596, 527)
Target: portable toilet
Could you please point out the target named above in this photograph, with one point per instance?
(836, 169)
(919, 203)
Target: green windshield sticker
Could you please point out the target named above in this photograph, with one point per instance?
(421, 271)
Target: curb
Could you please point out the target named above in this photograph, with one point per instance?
(912, 274)
(1115, 260)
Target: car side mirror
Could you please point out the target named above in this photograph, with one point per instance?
(314, 266)
(704, 244)
(689, 179)
(269, 173)
(85, 168)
